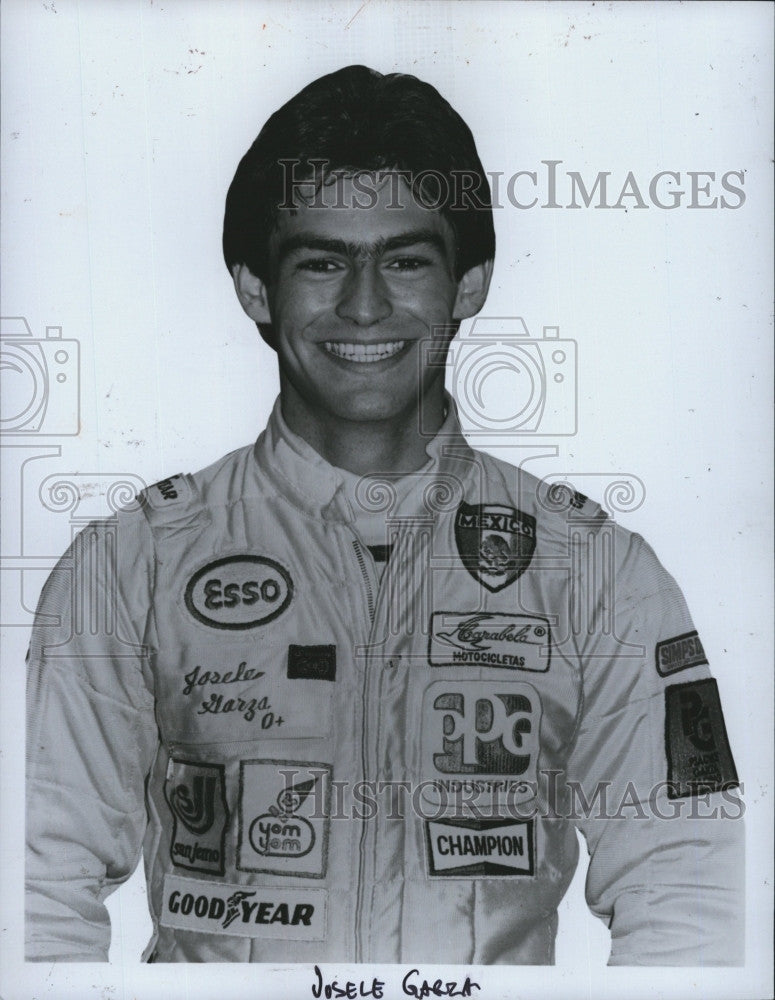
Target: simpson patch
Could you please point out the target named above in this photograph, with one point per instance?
(679, 653)
(699, 759)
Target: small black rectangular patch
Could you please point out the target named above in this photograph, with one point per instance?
(312, 663)
(699, 759)
(679, 653)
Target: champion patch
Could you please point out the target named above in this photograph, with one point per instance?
(480, 848)
(238, 592)
(196, 796)
(284, 817)
(495, 543)
(244, 910)
(679, 653)
(699, 759)
(314, 663)
(512, 642)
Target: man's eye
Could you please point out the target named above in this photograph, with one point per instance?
(318, 265)
(408, 263)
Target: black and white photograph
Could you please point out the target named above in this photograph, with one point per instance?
(386, 447)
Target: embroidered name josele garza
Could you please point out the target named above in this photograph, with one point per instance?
(249, 667)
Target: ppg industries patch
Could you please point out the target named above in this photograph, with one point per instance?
(699, 759)
(679, 653)
(480, 848)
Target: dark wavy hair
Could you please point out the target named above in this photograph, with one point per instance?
(358, 120)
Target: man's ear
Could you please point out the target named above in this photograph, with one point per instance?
(252, 294)
(472, 290)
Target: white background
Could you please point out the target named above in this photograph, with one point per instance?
(122, 124)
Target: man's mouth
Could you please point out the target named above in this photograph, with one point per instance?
(364, 353)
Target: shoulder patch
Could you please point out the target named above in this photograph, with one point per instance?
(679, 653)
(172, 492)
(699, 758)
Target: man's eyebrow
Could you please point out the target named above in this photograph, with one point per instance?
(345, 248)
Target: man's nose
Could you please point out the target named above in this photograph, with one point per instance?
(364, 299)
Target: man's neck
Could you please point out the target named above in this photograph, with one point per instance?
(390, 447)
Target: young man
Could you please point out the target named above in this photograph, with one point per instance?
(340, 687)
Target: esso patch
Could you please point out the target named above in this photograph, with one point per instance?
(239, 592)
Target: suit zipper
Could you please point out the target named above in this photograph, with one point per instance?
(360, 929)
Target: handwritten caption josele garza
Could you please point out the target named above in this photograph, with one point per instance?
(412, 984)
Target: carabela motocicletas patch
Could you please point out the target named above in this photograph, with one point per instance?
(495, 543)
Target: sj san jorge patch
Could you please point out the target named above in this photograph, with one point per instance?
(196, 796)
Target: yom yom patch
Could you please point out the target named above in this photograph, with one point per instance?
(460, 848)
(679, 653)
(699, 759)
(284, 817)
(244, 910)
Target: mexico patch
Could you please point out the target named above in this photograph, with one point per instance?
(679, 653)
(196, 796)
(699, 759)
(480, 848)
(481, 639)
(495, 543)
(244, 910)
(284, 817)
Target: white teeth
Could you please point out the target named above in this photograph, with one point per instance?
(364, 353)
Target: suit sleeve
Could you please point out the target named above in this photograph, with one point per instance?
(91, 738)
(654, 778)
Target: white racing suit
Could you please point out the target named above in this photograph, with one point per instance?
(319, 766)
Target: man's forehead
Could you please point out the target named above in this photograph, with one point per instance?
(368, 212)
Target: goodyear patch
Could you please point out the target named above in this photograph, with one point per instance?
(244, 910)
(699, 758)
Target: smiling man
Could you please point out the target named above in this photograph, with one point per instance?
(354, 688)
